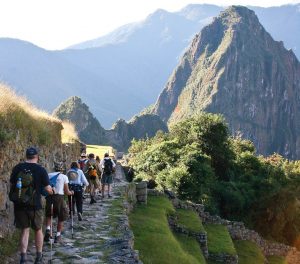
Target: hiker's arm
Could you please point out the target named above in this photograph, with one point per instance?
(84, 180)
(67, 190)
(46, 182)
(49, 189)
(113, 163)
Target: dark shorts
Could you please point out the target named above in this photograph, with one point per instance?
(60, 209)
(106, 179)
(25, 218)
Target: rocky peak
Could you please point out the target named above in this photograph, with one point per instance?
(87, 126)
(234, 67)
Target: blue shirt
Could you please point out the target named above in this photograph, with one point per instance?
(81, 179)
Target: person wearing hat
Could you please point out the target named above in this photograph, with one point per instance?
(60, 209)
(27, 180)
(82, 161)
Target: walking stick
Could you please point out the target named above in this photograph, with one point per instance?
(51, 230)
(72, 216)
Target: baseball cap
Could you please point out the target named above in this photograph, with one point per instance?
(31, 151)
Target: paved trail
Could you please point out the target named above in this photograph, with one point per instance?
(102, 237)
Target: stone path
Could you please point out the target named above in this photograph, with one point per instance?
(102, 237)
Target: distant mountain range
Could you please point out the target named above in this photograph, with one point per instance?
(121, 73)
(234, 67)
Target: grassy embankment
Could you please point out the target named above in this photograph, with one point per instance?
(155, 240)
(18, 115)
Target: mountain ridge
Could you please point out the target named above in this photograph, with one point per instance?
(234, 67)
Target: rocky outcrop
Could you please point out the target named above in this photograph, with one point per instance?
(87, 126)
(122, 133)
(143, 126)
(234, 67)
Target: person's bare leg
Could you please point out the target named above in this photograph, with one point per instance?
(48, 221)
(108, 189)
(60, 226)
(39, 240)
(103, 187)
(24, 240)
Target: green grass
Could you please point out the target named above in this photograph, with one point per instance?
(276, 260)
(154, 239)
(219, 240)
(191, 246)
(100, 150)
(190, 220)
(9, 245)
(249, 252)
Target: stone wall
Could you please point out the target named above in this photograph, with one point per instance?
(12, 152)
(238, 231)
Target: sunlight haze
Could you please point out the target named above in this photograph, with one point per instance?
(57, 24)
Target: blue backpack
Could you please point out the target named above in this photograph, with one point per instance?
(53, 181)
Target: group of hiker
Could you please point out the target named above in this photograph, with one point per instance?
(30, 181)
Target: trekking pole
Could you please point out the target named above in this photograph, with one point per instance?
(72, 217)
(51, 230)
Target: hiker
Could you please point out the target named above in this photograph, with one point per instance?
(27, 180)
(107, 166)
(59, 183)
(82, 161)
(77, 181)
(91, 172)
(98, 173)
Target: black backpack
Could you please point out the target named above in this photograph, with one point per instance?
(108, 167)
(25, 197)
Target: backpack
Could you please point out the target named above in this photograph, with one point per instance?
(92, 170)
(72, 175)
(52, 181)
(108, 167)
(27, 195)
(81, 163)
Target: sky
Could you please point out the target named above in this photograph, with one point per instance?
(57, 24)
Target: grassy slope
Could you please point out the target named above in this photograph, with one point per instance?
(190, 220)
(153, 237)
(248, 252)
(219, 240)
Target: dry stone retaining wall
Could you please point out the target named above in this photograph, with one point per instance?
(12, 153)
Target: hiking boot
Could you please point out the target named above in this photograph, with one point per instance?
(79, 217)
(93, 200)
(57, 239)
(47, 236)
(39, 260)
(23, 259)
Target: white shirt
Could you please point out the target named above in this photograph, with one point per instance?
(62, 179)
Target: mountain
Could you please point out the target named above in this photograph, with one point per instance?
(234, 67)
(121, 73)
(120, 136)
(87, 126)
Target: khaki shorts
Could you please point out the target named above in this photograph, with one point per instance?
(106, 179)
(25, 218)
(94, 182)
(60, 209)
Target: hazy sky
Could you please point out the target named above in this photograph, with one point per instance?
(56, 24)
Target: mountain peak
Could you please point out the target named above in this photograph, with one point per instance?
(234, 67)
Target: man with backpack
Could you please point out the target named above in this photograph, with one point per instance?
(107, 166)
(59, 183)
(27, 180)
(91, 171)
